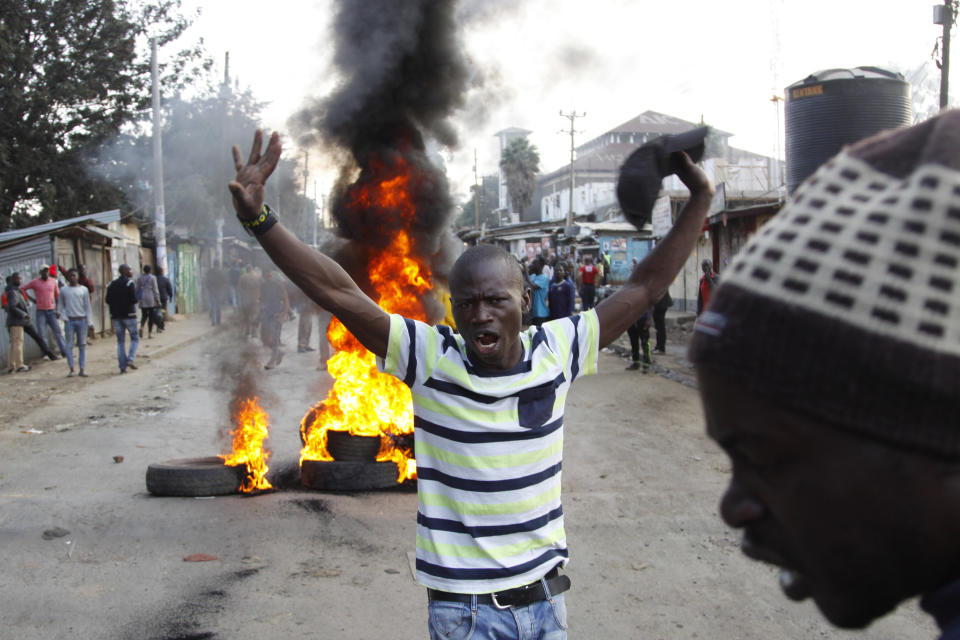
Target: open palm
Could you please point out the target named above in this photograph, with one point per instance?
(247, 188)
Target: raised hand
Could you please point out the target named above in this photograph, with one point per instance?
(691, 175)
(248, 187)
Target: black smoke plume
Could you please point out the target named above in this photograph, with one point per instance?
(403, 75)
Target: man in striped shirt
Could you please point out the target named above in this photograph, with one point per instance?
(488, 409)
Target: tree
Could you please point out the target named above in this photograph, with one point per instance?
(520, 163)
(197, 165)
(488, 203)
(72, 74)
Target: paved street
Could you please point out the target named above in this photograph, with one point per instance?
(649, 556)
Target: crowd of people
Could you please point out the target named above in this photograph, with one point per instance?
(263, 301)
(69, 300)
(554, 294)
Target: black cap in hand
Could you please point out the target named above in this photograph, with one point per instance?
(644, 170)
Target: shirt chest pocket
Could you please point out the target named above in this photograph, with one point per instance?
(535, 404)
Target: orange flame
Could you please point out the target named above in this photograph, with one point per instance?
(364, 401)
(248, 436)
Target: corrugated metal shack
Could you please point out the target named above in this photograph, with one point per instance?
(100, 241)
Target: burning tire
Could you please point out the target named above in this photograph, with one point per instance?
(194, 477)
(346, 447)
(348, 476)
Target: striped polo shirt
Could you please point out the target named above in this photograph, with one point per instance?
(489, 448)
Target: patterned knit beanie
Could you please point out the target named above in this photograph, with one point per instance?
(846, 306)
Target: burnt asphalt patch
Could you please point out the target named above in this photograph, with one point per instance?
(199, 609)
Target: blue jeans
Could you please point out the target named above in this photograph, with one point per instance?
(119, 326)
(48, 317)
(78, 327)
(544, 620)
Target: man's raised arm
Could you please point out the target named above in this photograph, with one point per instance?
(650, 279)
(319, 277)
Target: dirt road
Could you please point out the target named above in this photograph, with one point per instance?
(649, 556)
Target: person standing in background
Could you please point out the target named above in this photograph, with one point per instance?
(562, 296)
(274, 308)
(166, 295)
(639, 333)
(588, 279)
(539, 312)
(707, 284)
(234, 279)
(74, 304)
(660, 321)
(216, 286)
(47, 293)
(249, 290)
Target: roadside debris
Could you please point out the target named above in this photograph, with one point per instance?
(200, 557)
(56, 532)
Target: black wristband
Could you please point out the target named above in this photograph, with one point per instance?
(262, 223)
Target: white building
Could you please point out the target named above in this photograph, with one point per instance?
(745, 175)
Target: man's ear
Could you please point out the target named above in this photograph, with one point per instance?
(526, 299)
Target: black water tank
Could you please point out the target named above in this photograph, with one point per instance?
(833, 108)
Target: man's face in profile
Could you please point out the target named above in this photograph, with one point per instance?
(846, 518)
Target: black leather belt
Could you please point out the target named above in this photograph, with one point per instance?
(516, 597)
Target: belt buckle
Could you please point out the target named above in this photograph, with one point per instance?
(493, 597)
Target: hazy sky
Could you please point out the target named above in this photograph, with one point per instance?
(612, 59)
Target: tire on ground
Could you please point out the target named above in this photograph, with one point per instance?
(348, 476)
(194, 477)
(346, 447)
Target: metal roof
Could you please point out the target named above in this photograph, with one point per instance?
(104, 217)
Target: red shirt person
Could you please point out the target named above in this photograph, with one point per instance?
(588, 278)
(47, 293)
(707, 284)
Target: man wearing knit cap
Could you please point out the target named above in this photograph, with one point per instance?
(829, 366)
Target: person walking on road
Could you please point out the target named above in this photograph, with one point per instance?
(166, 295)
(46, 294)
(660, 321)
(18, 323)
(122, 300)
(148, 293)
(74, 304)
(274, 309)
(487, 405)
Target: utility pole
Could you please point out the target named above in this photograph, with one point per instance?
(224, 171)
(476, 193)
(312, 222)
(944, 15)
(572, 117)
(776, 181)
(159, 216)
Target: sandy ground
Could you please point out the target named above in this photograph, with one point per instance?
(649, 556)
